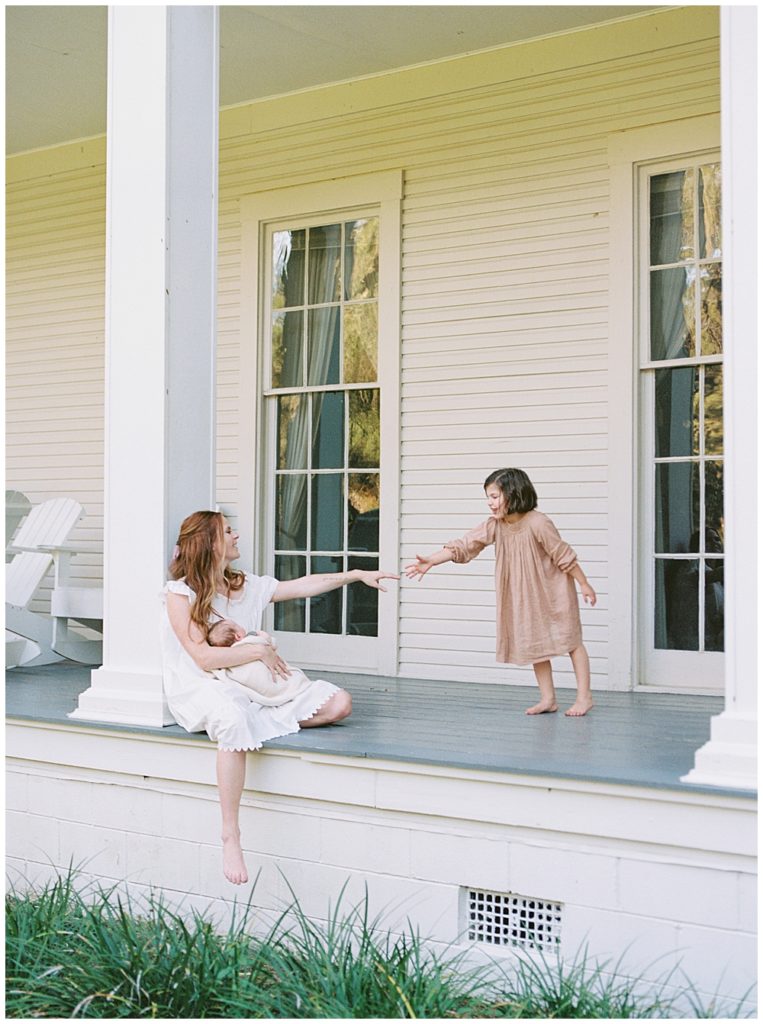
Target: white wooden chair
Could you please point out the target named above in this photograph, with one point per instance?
(17, 505)
(42, 541)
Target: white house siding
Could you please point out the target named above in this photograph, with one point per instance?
(652, 876)
(55, 333)
(504, 294)
(504, 290)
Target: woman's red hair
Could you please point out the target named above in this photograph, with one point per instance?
(199, 552)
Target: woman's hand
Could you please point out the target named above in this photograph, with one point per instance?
(419, 568)
(371, 578)
(270, 657)
(588, 593)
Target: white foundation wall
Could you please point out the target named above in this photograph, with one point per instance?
(655, 876)
(505, 275)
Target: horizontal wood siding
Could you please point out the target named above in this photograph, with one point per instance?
(505, 269)
(505, 306)
(55, 346)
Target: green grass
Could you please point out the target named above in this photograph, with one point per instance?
(74, 954)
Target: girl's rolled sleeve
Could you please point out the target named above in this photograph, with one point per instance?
(465, 548)
(558, 550)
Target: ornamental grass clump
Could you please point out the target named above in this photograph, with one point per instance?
(73, 952)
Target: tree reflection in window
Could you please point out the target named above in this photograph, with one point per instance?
(324, 384)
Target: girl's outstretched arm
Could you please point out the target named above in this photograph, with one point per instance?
(422, 565)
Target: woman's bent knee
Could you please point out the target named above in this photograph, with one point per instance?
(341, 706)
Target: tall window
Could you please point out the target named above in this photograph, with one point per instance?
(324, 400)
(682, 382)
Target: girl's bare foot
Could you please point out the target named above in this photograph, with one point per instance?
(234, 867)
(544, 707)
(581, 707)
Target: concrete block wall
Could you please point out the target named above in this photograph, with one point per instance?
(316, 826)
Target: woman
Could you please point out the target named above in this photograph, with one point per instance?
(205, 588)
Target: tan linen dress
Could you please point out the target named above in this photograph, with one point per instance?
(537, 612)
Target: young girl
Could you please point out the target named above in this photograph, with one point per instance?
(537, 608)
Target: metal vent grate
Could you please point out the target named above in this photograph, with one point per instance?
(506, 919)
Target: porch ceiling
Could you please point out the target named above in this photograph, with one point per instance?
(56, 56)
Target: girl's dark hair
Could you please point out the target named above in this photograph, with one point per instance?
(516, 488)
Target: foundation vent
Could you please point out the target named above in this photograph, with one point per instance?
(507, 919)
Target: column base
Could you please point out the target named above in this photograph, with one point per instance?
(730, 757)
(124, 698)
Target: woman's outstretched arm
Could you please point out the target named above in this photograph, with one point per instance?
(321, 583)
(210, 658)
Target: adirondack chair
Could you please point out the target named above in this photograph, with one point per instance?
(41, 542)
(16, 507)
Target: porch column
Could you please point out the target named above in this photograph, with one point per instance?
(729, 758)
(161, 224)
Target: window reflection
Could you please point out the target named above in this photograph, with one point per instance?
(676, 412)
(677, 507)
(326, 609)
(671, 217)
(711, 309)
(672, 313)
(710, 211)
(676, 603)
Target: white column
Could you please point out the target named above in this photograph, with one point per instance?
(729, 758)
(161, 223)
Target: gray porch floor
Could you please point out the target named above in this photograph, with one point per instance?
(641, 739)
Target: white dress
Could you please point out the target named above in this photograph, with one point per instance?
(227, 711)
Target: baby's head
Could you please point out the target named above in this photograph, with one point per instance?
(224, 633)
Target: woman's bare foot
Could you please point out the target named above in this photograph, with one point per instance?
(234, 867)
(544, 707)
(581, 707)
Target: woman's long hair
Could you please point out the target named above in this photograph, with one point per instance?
(197, 558)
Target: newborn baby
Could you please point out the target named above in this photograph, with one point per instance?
(255, 675)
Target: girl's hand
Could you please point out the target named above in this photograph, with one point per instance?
(371, 578)
(419, 568)
(588, 593)
(270, 657)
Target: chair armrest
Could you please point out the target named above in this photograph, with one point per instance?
(85, 548)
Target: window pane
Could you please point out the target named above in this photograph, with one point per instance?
(676, 604)
(291, 512)
(714, 506)
(288, 268)
(287, 350)
(671, 232)
(676, 412)
(323, 264)
(710, 211)
(672, 313)
(290, 615)
(328, 512)
(363, 512)
(361, 258)
(323, 346)
(364, 429)
(362, 602)
(292, 432)
(714, 595)
(326, 609)
(328, 430)
(676, 528)
(711, 309)
(714, 410)
(360, 343)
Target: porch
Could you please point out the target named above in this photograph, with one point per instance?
(432, 796)
(636, 738)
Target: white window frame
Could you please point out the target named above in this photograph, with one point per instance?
(377, 194)
(627, 152)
